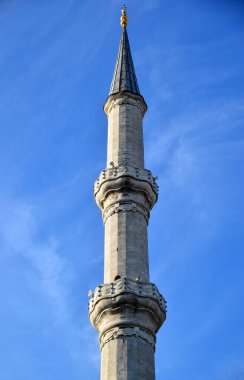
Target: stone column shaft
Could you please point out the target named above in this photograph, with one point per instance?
(125, 136)
(126, 247)
(127, 358)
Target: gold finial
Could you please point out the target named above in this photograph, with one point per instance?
(124, 18)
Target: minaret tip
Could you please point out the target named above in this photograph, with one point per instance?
(124, 78)
(124, 18)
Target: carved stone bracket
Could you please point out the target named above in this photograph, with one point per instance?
(122, 332)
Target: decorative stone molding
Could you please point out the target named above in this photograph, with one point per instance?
(122, 332)
(119, 177)
(126, 302)
(125, 207)
(125, 98)
(126, 285)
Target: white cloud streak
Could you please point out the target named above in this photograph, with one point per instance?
(19, 236)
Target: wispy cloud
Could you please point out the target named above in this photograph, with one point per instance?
(190, 155)
(20, 236)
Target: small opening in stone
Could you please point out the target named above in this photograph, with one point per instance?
(117, 278)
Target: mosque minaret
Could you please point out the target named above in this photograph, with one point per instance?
(127, 310)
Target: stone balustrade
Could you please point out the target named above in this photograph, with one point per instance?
(125, 170)
(127, 308)
(126, 285)
(139, 185)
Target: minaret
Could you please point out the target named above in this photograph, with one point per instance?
(127, 310)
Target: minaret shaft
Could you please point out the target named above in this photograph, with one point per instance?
(125, 136)
(129, 358)
(126, 247)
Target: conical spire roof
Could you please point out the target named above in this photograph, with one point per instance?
(124, 78)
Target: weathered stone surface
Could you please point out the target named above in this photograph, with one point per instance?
(127, 358)
(125, 135)
(126, 247)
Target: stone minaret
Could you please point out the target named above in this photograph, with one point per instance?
(127, 310)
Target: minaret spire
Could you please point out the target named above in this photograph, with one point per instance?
(127, 309)
(124, 78)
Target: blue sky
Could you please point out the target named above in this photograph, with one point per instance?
(57, 59)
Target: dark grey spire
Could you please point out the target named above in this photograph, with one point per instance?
(124, 78)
